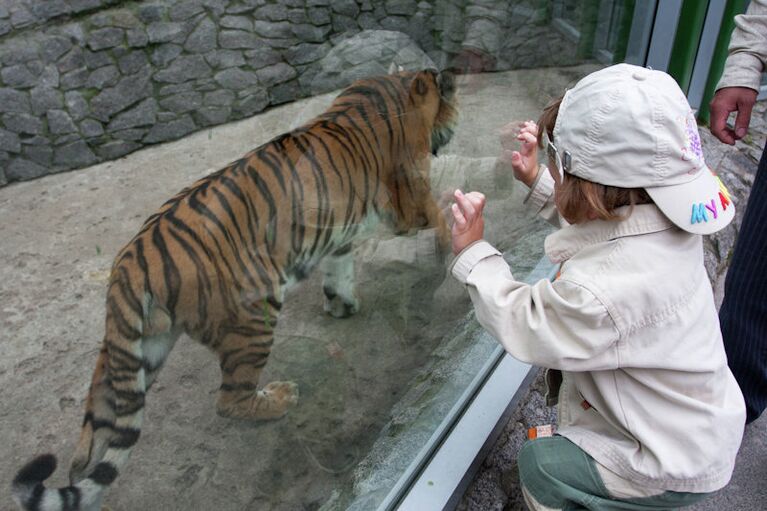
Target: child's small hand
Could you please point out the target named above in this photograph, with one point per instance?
(524, 162)
(469, 224)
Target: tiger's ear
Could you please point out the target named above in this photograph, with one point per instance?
(422, 82)
(395, 68)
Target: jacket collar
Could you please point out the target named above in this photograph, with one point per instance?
(568, 241)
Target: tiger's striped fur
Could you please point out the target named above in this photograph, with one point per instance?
(214, 262)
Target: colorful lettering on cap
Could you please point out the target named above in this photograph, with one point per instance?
(701, 209)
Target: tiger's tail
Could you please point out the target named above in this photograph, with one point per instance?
(114, 409)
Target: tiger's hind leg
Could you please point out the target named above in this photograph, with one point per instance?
(243, 351)
(338, 283)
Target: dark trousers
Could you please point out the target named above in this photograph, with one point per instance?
(743, 315)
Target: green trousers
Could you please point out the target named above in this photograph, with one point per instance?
(560, 475)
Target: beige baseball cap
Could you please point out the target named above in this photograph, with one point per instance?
(632, 127)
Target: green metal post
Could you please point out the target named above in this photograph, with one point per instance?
(624, 29)
(687, 40)
(732, 8)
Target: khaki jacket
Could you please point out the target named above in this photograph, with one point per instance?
(632, 324)
(748, 49)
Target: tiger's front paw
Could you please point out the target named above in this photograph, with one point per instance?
(270, 403)
(339, 306)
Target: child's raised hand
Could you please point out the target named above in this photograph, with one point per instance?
(469, 224)
(524, 162)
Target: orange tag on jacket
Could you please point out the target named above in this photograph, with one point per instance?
(540, 431)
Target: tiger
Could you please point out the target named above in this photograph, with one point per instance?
(215, 260)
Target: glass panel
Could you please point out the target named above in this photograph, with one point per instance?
(275, 262)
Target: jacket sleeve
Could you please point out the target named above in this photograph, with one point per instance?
(748, 49)
(541, 198)
(559, 325)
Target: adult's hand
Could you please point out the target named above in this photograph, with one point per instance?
(731, 99)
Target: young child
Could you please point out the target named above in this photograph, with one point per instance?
(650, 417)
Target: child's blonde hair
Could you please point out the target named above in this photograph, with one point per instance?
(579, 200)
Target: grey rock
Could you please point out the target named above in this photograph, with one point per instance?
(5, 27)
(183, 102)
(75, 79)
(211, 116)
(240, 8)
(297, 16)
(175, 88)
(137, 38)
(273, 29)
(263, 57)
(116, 148)
(97, 59)
(23, 123)
(34, 140)
(59, 122)
(165, 54)
(106, 38)
(149, 13)
(368, 21)
(343, 24)
(237, 39)
(74, 59)
(236, 79)
(185, 10)
(165, 32)
(206, 85)
(395, 23)
(285, 93)
(133, 135)
(275, 74)
(401, 7)
(166, 117)
(203, 37)
(4, 160)
(17, 52)
(237, 22)
(12, 100)
(170, 130)
(183, 69)
(21, 17)
(310, 33)
(44, 99)
(4, 12)
(40, 154)
(319, 15)
(53, 47)
(23, 170)
(18, 76)
(251, 104)
(220, 97)
(91, 128)
(132, 62)
(345, 7)
(271, 12)
(305, 53)
(127, 92)
(120, 18)
(9, 141)
(75, 32)
(67, 138)
(84, 5)
(103, 77)
(76, 105)
(49, 77)
(222, 59)
(73, 155)
(142, 114)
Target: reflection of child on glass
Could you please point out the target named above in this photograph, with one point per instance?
(650, 417)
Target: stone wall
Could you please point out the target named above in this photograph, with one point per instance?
(82, 81)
